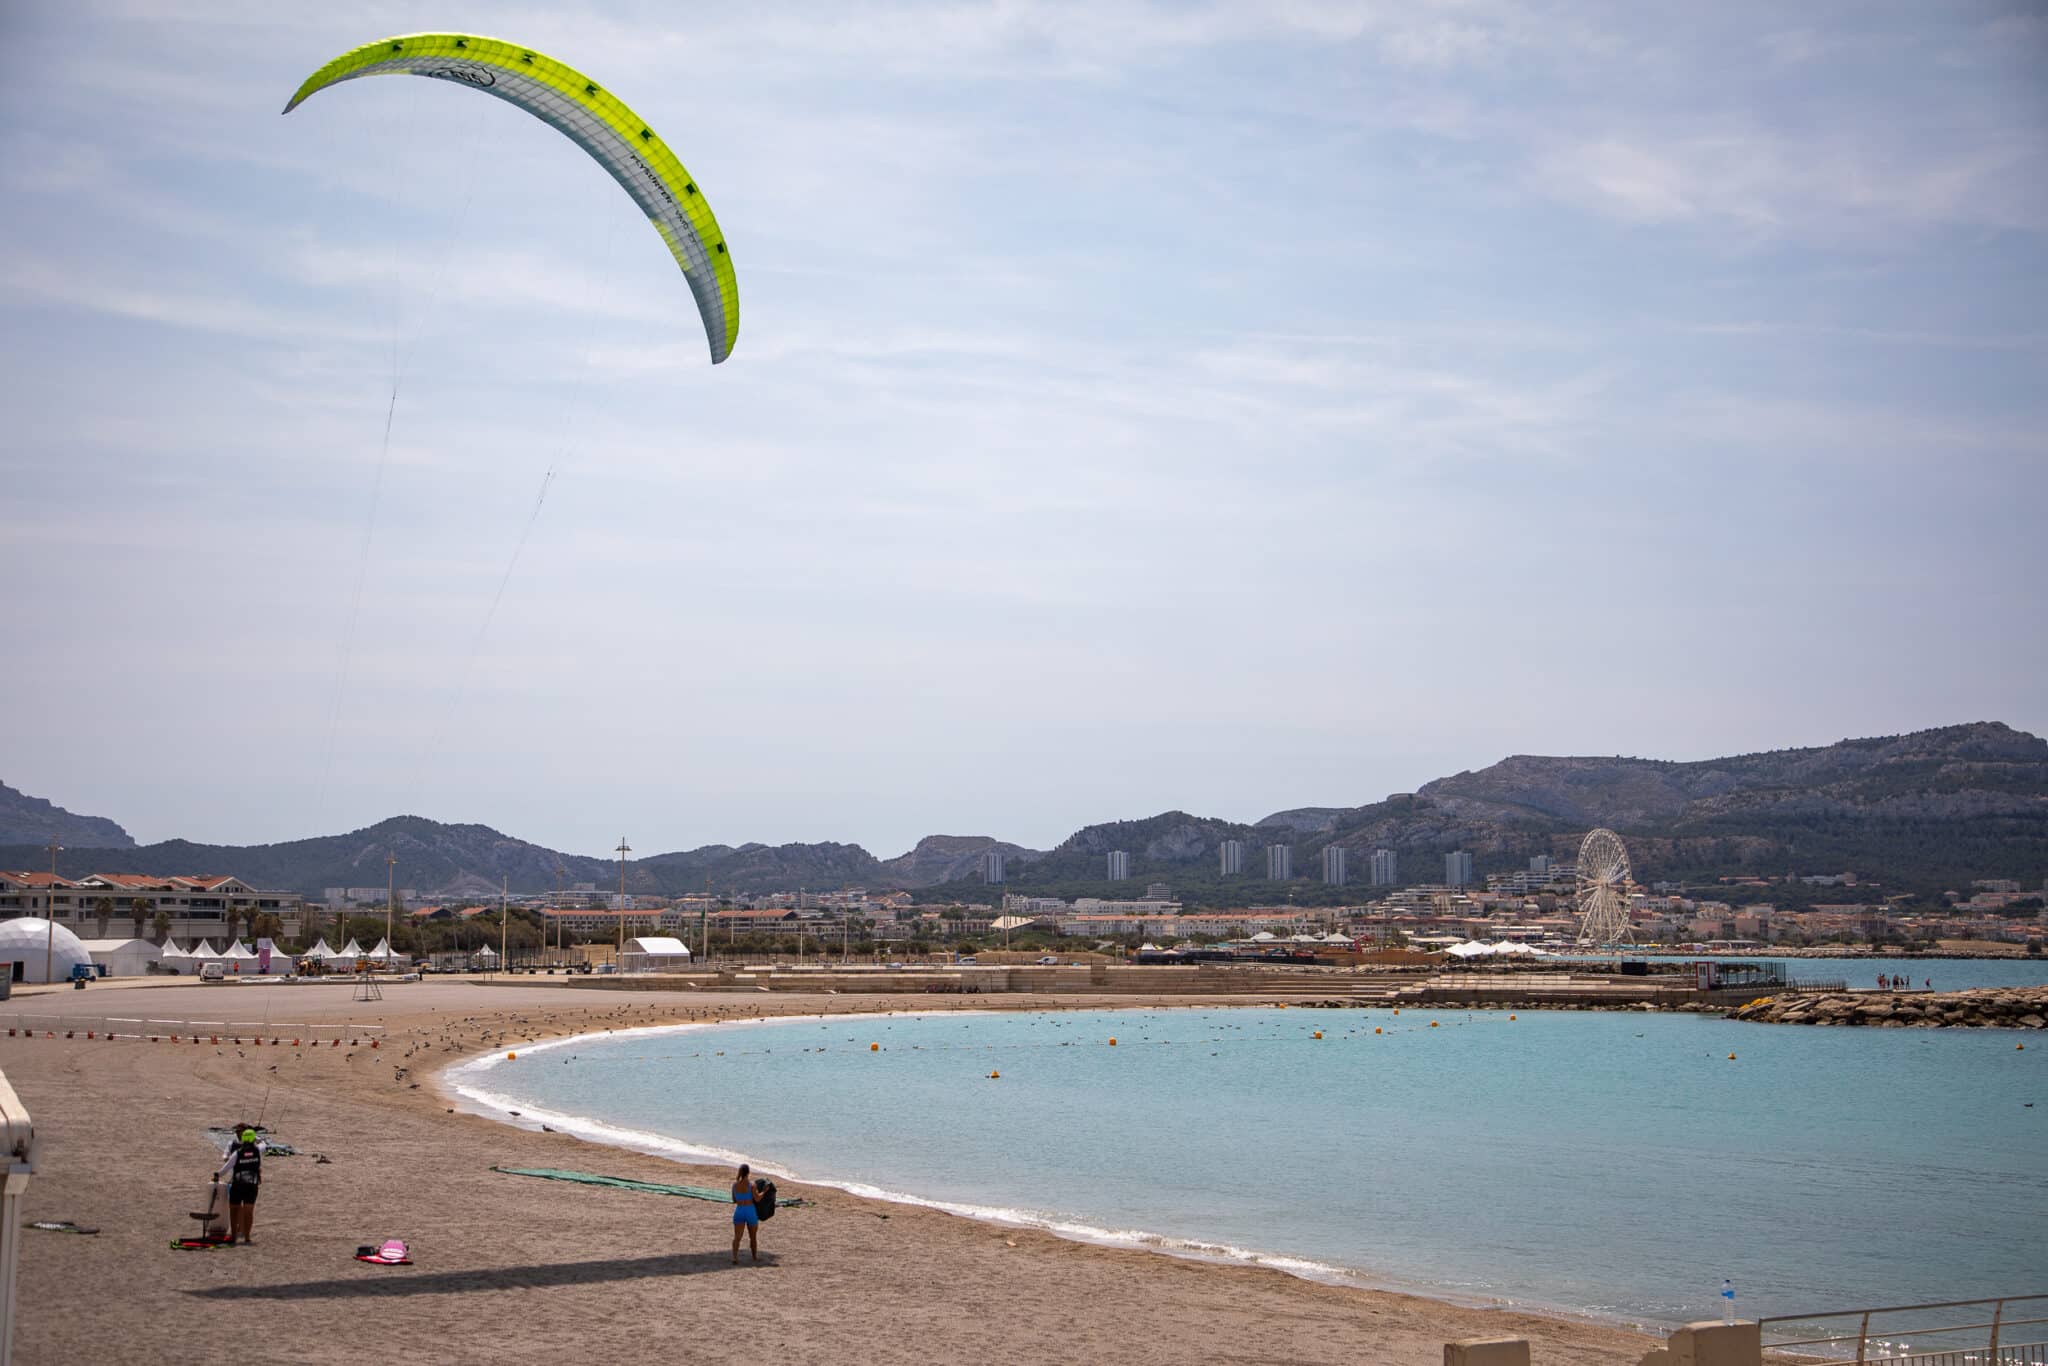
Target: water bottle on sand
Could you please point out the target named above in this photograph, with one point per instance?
(1727, 1300)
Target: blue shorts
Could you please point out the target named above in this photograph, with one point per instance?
(745, 1215)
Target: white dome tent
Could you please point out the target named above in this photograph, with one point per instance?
(27, 948)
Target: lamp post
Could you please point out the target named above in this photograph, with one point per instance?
(504, 926)
(619, 958)
(50, 910)
(390, 895)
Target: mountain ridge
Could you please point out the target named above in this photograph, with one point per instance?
(1915, 811)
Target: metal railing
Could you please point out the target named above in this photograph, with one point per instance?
(1888, 1343)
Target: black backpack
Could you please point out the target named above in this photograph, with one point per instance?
(764, 1198)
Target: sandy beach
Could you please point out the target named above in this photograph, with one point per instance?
(512, 1270)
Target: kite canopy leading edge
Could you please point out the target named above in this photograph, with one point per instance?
(592, 118)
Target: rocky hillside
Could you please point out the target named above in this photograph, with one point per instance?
(952, 858)
(31, 820)
(1917, 813)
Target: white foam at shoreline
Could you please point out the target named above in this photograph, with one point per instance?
(461, 1081)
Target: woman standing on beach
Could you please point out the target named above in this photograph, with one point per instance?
(744, 1216)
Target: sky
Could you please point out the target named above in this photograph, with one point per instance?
(1220, 407)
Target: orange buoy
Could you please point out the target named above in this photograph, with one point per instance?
(1112, 1041)
(993, 1076)
(1511, 1019)
(2019, 1048)
(510, 1057)
(1731, 1057)
(1319, 1033)
(1397, 1010)
(874, 1048)
(1375, 1029)
(1432, 1024)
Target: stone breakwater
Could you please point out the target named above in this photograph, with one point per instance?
(1981, 1008)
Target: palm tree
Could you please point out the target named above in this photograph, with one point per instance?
(138, 911)
(105, 909)
(231, 917)
(161, 924)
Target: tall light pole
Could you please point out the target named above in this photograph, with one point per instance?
(618, 962)
(390, 895)
(559, 947)
(504, 925)
(50, 910)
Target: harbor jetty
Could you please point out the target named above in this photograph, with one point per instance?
(1978, 1008)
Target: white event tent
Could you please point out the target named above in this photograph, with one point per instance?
(175, 960)
(654, 953)
(124, 957)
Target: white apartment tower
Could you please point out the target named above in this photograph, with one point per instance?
(992, 866)
(1333, 864)
(1458, 869)
(1279, 862)
(1230, 857)
(1119, 865)
(1386, 868)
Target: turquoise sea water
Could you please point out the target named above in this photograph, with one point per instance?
(1612, 1164)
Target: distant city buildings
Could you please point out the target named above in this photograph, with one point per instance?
(1158, 891)
(1540, 864)
(1279, 862)
(127, 904)
(1458, 869)
(992, 867)
(1230, 857)
(1119, 865)
(1333, 865)
(1386, 869)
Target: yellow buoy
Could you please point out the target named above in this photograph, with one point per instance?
(510, 1056)
(874, 1048)
(1319, 1033)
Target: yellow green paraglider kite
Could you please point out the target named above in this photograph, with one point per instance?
(592, 118)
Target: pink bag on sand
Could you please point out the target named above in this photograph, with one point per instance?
(391, 1252)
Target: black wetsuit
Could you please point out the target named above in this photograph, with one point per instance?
(246, 1174)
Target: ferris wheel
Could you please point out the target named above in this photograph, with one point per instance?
(1603, 889)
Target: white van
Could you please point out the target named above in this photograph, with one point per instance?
(213, 972)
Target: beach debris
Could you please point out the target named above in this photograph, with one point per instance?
(58, 1226)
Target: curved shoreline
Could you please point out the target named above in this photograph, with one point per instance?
(486, 1104)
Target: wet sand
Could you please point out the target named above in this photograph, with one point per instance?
(513, 1270)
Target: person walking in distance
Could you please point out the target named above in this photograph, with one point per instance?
(243, 1167)
(744, 1215)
